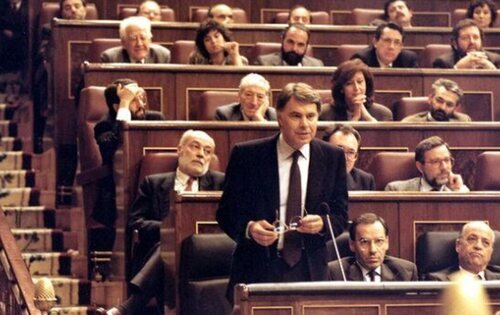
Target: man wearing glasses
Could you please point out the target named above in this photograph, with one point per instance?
(369, 240)
(387, 49)
(349, 140)
(434, 161)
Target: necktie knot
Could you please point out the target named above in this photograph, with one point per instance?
(189, 183)
(371, 275)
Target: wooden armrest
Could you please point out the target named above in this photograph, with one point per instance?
(93, 174)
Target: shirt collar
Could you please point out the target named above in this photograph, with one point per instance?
(285, 150)
(181, 176)
(425, 186)
(364, 271)
(474, 275)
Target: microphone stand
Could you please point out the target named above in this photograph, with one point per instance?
(335, 245)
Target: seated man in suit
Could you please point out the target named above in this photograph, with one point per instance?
(387, 49)
(196, 150)
(445, 98)
(349, 140)
(222, 13)
(253, 104)
(294, 42)
(369, 240)
(299, 14)
(135, 35)
(434, 161)
(474, 247)
(468, 53)
(395, 11)
(150, 9)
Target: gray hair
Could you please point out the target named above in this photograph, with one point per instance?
(139, 21)
(190, 133)
(254, 79)
(449, 85)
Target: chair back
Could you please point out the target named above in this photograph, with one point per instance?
(210, 100)
(431, 52)
(487, 174)
(360, 16)
(99, 45)
(201, 14)
(317, 17)
(343, 247)
(50, 10)
(125, 11)
(407, 106)
(390, 166)
(181, 50)
(345, 51)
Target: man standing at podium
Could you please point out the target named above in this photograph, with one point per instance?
(280, 193)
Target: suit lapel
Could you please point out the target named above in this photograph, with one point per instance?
(355, 273)
(270, 171)
(315, 177)
(206, 182)
(386, 273)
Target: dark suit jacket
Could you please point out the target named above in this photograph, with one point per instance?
(424, 117)
(251, 192)
(358, 179)
(444, 275)
(232, 112)
(448, 60)
(405, 59)
(14, 50)
(274, 59)
(393, 269)
(331, 112)
(157, 54)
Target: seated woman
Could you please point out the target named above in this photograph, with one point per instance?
(215, 46)
(352, 93)
(483, 12)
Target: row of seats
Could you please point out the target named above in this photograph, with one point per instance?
(357, 16)
(181, 50)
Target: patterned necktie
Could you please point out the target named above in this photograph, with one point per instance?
(292, 249)
(189, 184)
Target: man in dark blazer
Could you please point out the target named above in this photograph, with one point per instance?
(294, 42)
(13, 35)
(253, 102)
(349, 140)
(289, 174)
(136, 36)
(369, 240)
(474, 247)
(196, 151)
(468, 53)
(387, 49)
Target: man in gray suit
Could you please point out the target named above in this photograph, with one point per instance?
(136, 36)
(474, 247)
(434, 161)
(253, 102)
(369, 240)
(294, 42)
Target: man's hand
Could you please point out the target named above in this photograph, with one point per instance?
(232, 48)
(310, 224)
(455, 182)
(475, 60)
(261, 112)
(262, 232)
(127, 93)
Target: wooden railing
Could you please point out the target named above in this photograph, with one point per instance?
(16, 287)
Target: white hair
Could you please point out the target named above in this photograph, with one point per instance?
(138, 21)
(254, 79)
(189, 134)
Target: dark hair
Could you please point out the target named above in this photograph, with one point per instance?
(112, 97)
(302, 92)
(392, 26)
(204, 29)
(84, 3)
(366, 218)
(426, 145)
(345, 129)
(455, 33)
(480, 3)
(345, 72)
(298, 26)
(386, 8)
(298, 6)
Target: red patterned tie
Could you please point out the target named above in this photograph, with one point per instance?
(189, 184)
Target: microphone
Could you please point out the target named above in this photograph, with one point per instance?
(326, 209)
(45, 296)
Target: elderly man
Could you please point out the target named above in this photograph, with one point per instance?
(445, 98)
(253, 102)
(395, 11)
(196, 150)
(387, 49)
(468, 53)
(135, 34)
(222, 13)
(293, 180)
(150, 9)
(474, 247)
(349, 140)
(369, 240)
(434, 161)
(294, 42)
(299, 14)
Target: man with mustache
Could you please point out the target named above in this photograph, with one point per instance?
(434, 161)
(474, 247)
(294, 42)
(445, 98)
(387, 49)
(395, 11)
(136, 36)
(468, 53)
(369, 240)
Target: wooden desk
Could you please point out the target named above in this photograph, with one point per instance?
(337, 298)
